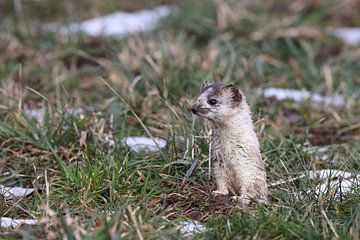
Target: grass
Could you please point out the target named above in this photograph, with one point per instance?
(89, 189)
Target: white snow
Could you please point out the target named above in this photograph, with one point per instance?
(6, 222)
(302, 95)
(191, 227)
(15, 191)
(316, 149)
(321, 153)
(39, 113)
(36, 113)
(340, 186)
(329, 173)
(144, 144)
(116, 24)
(350, 35)
(335, 181)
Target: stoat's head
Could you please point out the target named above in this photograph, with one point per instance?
(218, 102)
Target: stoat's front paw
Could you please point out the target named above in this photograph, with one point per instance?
(220, 192)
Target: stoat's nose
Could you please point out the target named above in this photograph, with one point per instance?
(195, 109)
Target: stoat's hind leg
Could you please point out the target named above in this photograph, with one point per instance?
(241, 199)
(246, 201)
(220, 178)
(252, 191)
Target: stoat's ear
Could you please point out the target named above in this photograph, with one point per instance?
(235, 93)
(205, 84)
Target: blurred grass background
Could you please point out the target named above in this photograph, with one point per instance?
(88, 188)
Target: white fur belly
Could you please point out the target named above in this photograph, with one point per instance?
(240, 162)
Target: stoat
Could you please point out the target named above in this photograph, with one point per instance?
(237, 164)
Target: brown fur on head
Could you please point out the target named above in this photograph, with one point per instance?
(217, 102)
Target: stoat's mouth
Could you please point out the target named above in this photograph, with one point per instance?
(200, 111)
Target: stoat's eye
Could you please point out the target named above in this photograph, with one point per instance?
(212, 101)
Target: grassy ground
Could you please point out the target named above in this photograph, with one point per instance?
(86, 188)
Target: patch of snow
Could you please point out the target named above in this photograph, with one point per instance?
(333, 181)
(144, 144)
(191, 227)
(340, 186)
(116, 24)
(39, 113)
(301, 96)
(329, 173)
(15, 191)
(321, 153)
(6, 222)
(349, 35)
(36, 113)
(315, 149)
